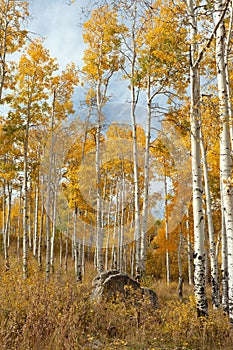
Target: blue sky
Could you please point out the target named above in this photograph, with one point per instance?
(58, 22)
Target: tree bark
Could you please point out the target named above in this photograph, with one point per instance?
(25, 200)
(146, 180)
(36, 216)
(225, 147)
(168, 268)
(212, 251)
(198, 216)
(180, 281)
(189, 251)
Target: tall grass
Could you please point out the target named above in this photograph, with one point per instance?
(59, 314)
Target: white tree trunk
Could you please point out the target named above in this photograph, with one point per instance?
(25, 201)
(137, 233)
(39, 252)
(168, 273)
(180, 281)
(6, 232)
(75, 246)
(189, 251)
(146, 181)
(83, 257)
(49, 182)
(212, 251)
(36, 215)
(54, 223)
(4, 214)
(61, 250)
(225, 147)
(224, 266)
(227, 51)
(99, 234)
(198, 217)
(19, 223)
(30, 235)
(67, 247)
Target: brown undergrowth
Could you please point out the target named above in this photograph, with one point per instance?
(59, 314)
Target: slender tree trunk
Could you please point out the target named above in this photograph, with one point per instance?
(228, 85)
(119, 230)
(168, 268)
(99, 234)
(7, 227)
(189, 251)
(39, 252)
(107, 251)
(83, 257)
(132, 260)
(137, 234)
(198, 216)
(8, 222)
(80, 262)
(122, 234)
(125, 258)
(95, 258)
(54, 223)
(3, 66)
(67, 249)
(212, 252)
(224, 267)
(36, 216)
(30, 235)
(60, 250)
(225, 148)
(25, 202)
(19, 223)
(180, 282)
(48, 200)
(146, 181)
(76, 251)
(4, 216)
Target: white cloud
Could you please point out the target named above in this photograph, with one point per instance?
(58, 22)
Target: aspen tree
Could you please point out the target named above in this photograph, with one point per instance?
(213, 257)
(9, 179)
(195, 120)
(196, 56)
(133, 16)
(13, 16)
(101, 60)
(157, 52)
(27, 103)
(225, 143)
(62, 88)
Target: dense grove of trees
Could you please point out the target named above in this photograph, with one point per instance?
(83, 182)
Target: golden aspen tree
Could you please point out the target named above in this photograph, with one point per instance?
(133, 17)
(101, 60)
(162, 61)
(13, 16)
(9, 178)
(62, 88)
(225, 142)
(28, 105)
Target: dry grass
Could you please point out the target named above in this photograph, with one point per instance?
(59, 314)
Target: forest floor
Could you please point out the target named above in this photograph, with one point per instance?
(59, 314)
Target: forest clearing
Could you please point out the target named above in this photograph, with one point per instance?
(116, 174)
(60, 314)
